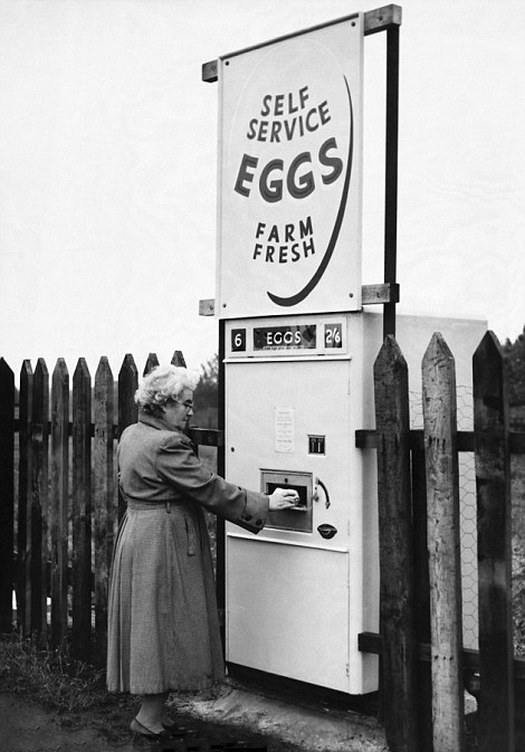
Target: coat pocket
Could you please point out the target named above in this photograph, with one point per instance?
(191, 536)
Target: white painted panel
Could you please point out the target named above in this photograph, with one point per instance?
(297, 597)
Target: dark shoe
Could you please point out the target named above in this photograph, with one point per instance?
(138, 728)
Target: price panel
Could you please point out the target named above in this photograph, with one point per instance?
(304, 337)
(333, 336)
(238, 341)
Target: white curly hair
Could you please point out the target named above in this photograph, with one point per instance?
(162, 384)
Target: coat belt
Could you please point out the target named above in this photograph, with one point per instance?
(139, 506)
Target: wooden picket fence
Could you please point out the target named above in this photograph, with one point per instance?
(422, 655)
(67, 504)
(67, 511)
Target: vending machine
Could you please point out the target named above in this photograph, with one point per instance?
(299, 345)
(299, 593)
(297, 388)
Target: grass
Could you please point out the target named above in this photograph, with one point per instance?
(49, 677)
(73, 693)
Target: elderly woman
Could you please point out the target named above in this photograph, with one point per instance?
(163, 629)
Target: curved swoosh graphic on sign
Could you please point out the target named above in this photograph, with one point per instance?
(302, 294)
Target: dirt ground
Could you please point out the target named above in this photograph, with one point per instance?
(233, 715)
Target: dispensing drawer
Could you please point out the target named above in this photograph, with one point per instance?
(299, 517)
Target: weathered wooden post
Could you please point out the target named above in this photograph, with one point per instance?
(127, 409)
(38, 547)
(25, 409)
(494, 513)
(396, 551)
(81, 553)
(178, 359)
(151, 362)
(59, 501)
(127, 386)
(103, 500)
(7, 501)
(440, 434)
(515, 366)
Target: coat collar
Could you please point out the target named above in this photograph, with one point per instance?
(155, 421)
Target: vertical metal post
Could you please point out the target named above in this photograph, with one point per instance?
(392, 127)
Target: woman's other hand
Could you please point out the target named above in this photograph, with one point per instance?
(283, 498)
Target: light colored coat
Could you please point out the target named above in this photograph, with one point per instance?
(163, 629)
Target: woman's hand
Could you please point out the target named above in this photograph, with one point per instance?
(283, 498)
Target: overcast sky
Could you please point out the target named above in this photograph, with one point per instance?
(108, 156)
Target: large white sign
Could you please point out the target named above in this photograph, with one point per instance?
(290, 152)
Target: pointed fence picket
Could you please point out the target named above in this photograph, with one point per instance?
(81, 510)
(151, 362)
(7, 417)
(399, 658)
(25, 413)
(58, 507)
(492, 454)
(127, 386)
(443, 541)
(38, 523)
(103, 498)
(127, 409)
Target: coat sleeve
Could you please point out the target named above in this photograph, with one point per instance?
(178, 466)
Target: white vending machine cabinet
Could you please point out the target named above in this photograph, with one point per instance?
(296, 390)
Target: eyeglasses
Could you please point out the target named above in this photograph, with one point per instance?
(187, 405)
